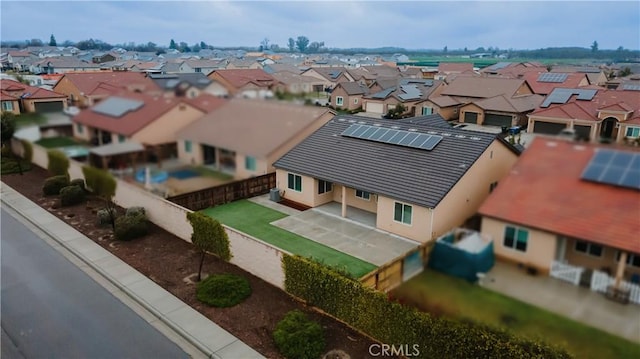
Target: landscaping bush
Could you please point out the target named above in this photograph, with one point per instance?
(78, 182)
(71, 195)
(27, 150)
(223, 290)
(390, 322)
(58, 163)
(131, 227)
(298, 337)
(104, 216)
(53, 185)
(134, 211)
(10, 165)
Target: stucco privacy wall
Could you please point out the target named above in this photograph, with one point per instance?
(249, 253)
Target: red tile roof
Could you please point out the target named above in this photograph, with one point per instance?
(206, 102)
(455, 66)
(86, 82)
(240, 77)
(20, 90)
(544, 88)
(544, 191)
(131, 122)
(627, 101)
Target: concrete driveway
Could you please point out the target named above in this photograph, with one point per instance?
(347, 236)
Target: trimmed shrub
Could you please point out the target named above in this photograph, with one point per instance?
(131, 227)
(298, 337)
(58, 163)
(134, 211)
(27, 150)
(71, 195)
(389, 322)
(78, 182)
(223, 290)
(53, 185)
(100, 182)
(104, 217)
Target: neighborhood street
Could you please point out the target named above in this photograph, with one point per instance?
(51, 308)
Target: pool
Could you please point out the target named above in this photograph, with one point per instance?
(184, 174)
(156, 176)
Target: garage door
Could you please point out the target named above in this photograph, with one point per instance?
(375, 107)
(583, 132)
(497, 120)
(57, 106)
(548, 128)
(471, 117)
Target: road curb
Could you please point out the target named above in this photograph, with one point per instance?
(173, 326)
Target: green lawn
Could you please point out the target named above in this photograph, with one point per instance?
(439, 293)
(53, 142)
(28, 119)
(207, 172)
(254, 219)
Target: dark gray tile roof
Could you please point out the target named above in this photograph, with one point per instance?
(407, 174)
(429, 120)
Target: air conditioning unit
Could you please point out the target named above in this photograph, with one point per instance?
(274, 195)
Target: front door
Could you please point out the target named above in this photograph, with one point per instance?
(208, 155)
(608, 127)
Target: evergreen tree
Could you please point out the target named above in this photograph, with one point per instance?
(173, 45)
(52, 41)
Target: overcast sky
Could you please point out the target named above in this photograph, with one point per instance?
(340, 24)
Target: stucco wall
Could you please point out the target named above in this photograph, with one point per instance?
(163, 130)
(194, 157)
(464, 199)
(419, 229)
(541, 246)
(305, 196)
(242, 172)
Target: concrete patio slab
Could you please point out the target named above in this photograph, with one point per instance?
(578, 303)
(356, 239)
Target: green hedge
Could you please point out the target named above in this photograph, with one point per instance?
(209, 235)
(223, 290)
(131, 227)
(53, 185)
(71, 195)
(389, 322)
(299, 337)
(58, 163)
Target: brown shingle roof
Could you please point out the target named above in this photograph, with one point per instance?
(240, 77)
(482, 87)
(251, 127)
(86, 82)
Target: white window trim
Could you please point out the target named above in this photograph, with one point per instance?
(362, 198)
(515, 240)
(632, 128)
(355, 101)
(294, 182)
(339, 101)
(586, 253)
(410, 224)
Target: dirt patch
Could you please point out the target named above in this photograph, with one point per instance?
(168, 260)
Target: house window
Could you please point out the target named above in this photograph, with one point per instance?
(355, 101)
(402, 213)
(493, 186)
(121, 138)
(633, 132)
(632, 259)
(294, 182)
(324, 186)
(363, 195)
(198, 69)
(250, 163)
(427, 111)
(589, 248)
(79, 128)
(516, 238)
(187, 146)
(7, 106)
(339, 100)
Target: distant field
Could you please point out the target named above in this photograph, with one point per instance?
(434, 60)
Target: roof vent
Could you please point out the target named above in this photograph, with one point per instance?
(341, 119)
(362, 122)
(377, 124)
(579, 148)
(413, 129)
(395, 127)
(432, 132)
(446, 134)
(552, 144)
(461, 136)
(351, 121)
(476, 138)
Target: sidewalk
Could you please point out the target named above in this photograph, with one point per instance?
(211, 340)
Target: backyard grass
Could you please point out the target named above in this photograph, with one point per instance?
(29, 119)
(53, 142)
(254, 219)
(207, 172)
(449, 296)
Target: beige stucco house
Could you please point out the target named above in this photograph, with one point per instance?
(570, 210)
(21, 98)
(419, 176)
(245, 137)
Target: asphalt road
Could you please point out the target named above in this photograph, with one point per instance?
(52, 309)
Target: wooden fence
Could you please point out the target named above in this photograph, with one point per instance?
(226, 193)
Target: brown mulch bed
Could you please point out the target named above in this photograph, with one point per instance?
(168, 260)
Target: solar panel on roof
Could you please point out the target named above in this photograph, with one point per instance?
(552, 77)
(562, 95)
(631, 87)
(116, 106)
(410, 92)
(393, 136)
(614, 167)
(499, 65)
